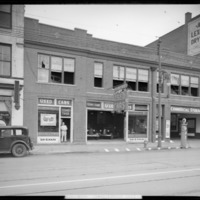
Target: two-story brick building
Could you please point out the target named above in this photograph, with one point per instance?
(70, 76)
(11, 64)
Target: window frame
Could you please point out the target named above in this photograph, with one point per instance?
(10, 61)
(10, 14)
(95, 76)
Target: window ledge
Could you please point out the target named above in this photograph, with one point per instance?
(56, 84)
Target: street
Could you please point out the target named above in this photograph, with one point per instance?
(158, 172)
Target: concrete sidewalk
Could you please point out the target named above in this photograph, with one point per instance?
(109, 147)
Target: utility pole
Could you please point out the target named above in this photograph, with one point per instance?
(159, 96)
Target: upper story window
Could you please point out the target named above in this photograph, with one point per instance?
(143, 79)
(98, 74)
(184, 85)
(55, 69)
(5, 16)
(137, 79)
(118, 75)
(5, 60)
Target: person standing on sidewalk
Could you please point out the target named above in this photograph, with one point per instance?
(63, 132)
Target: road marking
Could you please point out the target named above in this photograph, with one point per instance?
(138, 149)
(117, 150)
(127, 149)
(106, 150)
(101, 178)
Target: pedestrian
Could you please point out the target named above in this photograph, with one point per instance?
(63, 129)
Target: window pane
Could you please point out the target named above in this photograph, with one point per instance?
(121, 73)
(143, 75)
(43, 61)
(43, 75)
(175, 79)
(68, 65)
(5, 53)
(5, 20)
(56, 64)
(115, 72)
(4, 68)
(194, 82)
(184, 80)
(5, 8)
(98, 69)
(131, 74)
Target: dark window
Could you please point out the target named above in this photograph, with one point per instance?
(175, 84)
(131, 78)
(5, 60)
(69, 70)
(143, 78)
(118, 75)
(5, 16)
(185, 85)
(194, 85)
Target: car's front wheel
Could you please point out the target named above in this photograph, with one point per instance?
(19, 150)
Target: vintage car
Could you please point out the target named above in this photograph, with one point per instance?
(15, 140)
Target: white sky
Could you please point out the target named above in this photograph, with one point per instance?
(135, 24)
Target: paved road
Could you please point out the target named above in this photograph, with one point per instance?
(172, 172)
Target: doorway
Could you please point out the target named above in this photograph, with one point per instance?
(68, 124)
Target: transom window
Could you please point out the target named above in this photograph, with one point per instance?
(5, 16)
(137, 79)
(55, 69)
(5, 60)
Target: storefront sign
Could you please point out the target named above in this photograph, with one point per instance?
(64, 102)
(46, 101)
(167, 135)
(47, 119)
(136, 140)
(185, 110)
(108, 106)
(48, 140)
(65, 112)
(194, 37)
(94, 104)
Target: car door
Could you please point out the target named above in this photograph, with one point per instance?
(5, 140)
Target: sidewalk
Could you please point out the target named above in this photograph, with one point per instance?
(109, 147)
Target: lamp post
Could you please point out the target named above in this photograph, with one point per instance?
(159, 97)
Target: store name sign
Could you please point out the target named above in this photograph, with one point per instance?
(93, 104)
(194, 37)
(183, 109)
(64, 102)
(46, 101)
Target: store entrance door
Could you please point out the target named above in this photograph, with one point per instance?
(67, 123)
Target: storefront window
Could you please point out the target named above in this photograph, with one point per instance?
(137, 126)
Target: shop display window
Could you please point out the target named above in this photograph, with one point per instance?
(48, 119)
(137, 126)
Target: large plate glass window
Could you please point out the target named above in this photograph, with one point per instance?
(5, 60)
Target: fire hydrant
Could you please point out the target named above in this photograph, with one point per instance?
(184, 133)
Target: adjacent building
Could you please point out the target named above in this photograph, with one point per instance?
(185, 39)
(71, 76)
(11, 64)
